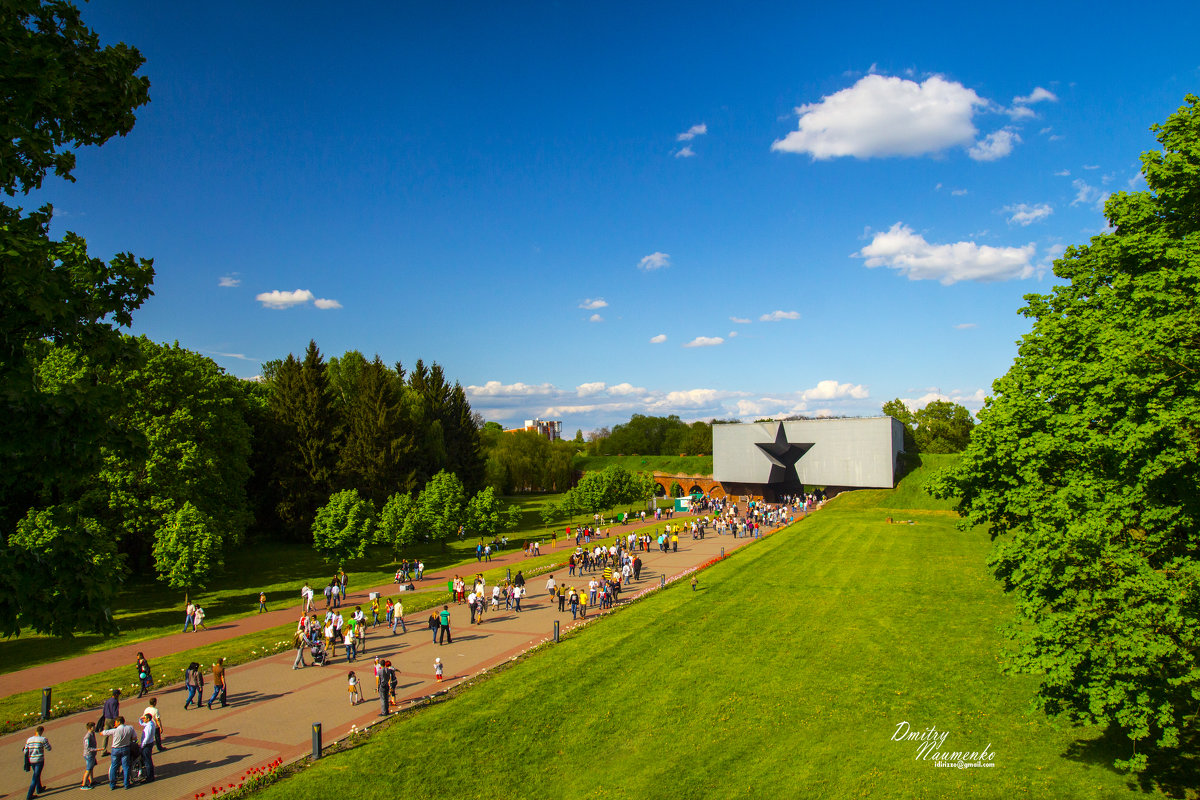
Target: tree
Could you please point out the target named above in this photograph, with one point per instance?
(191, 445)
(898, 410)
(943, 427)
(344, 527)
(441, 508)
(378, 444)
(187, 549)
(302, 405)
(61, 91)
(486, 516)
(1086, 461)
(398, 522)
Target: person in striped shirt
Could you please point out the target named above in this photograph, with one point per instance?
(35, 753)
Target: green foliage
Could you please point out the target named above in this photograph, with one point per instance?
(603, 490)
(379, 442)
(187, 420)
(59, 575)
(648, 435)
(61, 91)
(1086, 464)
(676, 489)
(188, 549)
(939, 427)
(525, 461)
(344, 527)
(441, 508)
(302, 406)
(397, 523)
(486, 516)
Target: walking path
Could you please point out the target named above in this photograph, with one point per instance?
(272, 707)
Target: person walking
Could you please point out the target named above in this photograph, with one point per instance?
(124, 738)
(152, 710)
(437, 669)
(193, 679)
(199, 622)
(434, 624)
(149, 730)
(262, 602)
(385, 692)
(89, 756)
(398, 617)
(36, 747)
(189, 617)
(110, 711)
(218, 673)
(145, 679)
(444, 626)
(299, 643)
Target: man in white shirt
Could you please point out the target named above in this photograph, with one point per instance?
(551, 586)
(148, 731)
(124, 739)
(152, 711)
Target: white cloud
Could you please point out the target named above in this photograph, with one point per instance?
(283, 299)
(623, 389)
(1086, 193)
(1091, 166)
(901, 249)
(1020, 112)
(595, 318)
(740, 320)
(1024, 214)
(832, 390)
(958, 192)
(685, 152)
(1062, 173)
(973, 401)
(776, 316)
(705, 341)
(655, 261)
(692, 133)
(732, 334)
(239, 356)
(1038, 95)
(588, 389)
(995, 145)
(592, 305)
(662, 337)
(498, 389)
(886, 116)
(965, 326)
(324, 303)
(228, 281)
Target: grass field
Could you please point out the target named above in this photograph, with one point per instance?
(146, 609)
(681, 465)
(787, 674)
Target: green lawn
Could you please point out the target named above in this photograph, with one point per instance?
(786, 675)
(146, 609)
(681, 465)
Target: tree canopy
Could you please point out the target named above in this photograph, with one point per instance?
(1086, 464)
(61, 91)
(940, 426)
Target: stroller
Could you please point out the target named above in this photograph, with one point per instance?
(317, 648)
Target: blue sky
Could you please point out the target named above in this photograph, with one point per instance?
(585, 211)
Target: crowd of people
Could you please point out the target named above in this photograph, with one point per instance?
(609, 567)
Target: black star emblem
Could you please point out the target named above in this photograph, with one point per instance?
(783, 455)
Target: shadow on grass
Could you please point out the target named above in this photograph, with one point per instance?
(1175, 773)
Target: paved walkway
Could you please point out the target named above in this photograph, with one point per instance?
(272, 707)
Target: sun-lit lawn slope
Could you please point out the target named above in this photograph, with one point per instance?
(676, 465)
(786, 675)
(909, 492)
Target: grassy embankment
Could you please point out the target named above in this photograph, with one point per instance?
(680, 465)
(787, 674)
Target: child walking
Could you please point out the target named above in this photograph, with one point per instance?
(355, 691)
(437, 669)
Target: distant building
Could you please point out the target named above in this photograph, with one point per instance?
(551, 430)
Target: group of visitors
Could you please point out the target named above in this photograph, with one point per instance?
(130, 752)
